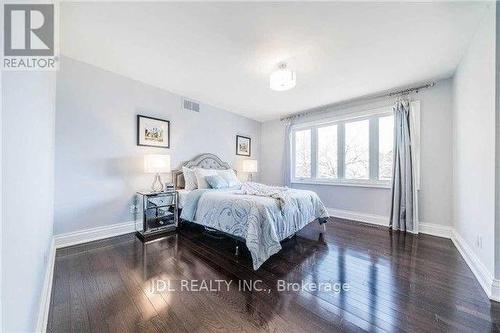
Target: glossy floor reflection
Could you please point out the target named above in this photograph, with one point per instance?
(353, 277)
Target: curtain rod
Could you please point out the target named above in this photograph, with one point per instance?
(389, 94)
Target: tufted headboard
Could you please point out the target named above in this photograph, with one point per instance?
(204, 161)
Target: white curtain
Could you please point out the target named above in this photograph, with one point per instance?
(287, 168)
(404, 208)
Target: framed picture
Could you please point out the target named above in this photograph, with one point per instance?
(243, 145)
(153, 132)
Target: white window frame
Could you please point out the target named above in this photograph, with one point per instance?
(372, 115)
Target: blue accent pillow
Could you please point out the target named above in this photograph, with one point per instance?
(216, 181)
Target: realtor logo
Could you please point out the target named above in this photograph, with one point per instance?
(29, 37)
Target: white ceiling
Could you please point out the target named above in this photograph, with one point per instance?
(222, 53)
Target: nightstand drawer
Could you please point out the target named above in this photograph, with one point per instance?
(159, 201)
(159, 222)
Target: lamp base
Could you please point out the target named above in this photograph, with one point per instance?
(157, 185)
(249, 177)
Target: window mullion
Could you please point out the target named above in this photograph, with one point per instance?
(373, 144)
(340, 150)
(314, 152)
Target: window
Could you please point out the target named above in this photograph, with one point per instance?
(385, 146)
(350, 150)
(327, 152)
(357, 150)
(303, 154)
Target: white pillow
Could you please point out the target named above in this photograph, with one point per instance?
(200, 176)
(229, 176)
(189, 179)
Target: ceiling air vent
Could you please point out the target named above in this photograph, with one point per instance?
(190, 105)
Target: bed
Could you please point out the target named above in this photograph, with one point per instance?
(248, 212)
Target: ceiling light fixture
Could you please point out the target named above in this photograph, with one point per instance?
(282, 79)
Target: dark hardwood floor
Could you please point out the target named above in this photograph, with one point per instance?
(393, 282)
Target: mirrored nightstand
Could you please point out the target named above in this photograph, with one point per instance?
(156, 214)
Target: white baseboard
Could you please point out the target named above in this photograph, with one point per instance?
(435, 229)
(43, 310)
(357, 216)
(425, 228)
(88, 235)
(486, 279)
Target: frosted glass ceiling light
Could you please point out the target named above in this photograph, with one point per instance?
(282, 79)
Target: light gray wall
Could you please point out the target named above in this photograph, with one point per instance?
(436, 176)
(1, 196)
(98, 164)
(474, 142)
(27, 194)
(497, 148)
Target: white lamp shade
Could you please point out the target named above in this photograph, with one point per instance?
(249, 166)
(157, 163)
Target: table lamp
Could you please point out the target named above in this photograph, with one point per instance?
(249, 166)
(157, 164)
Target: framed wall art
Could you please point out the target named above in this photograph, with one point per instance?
(153, 132)
(243, 145)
